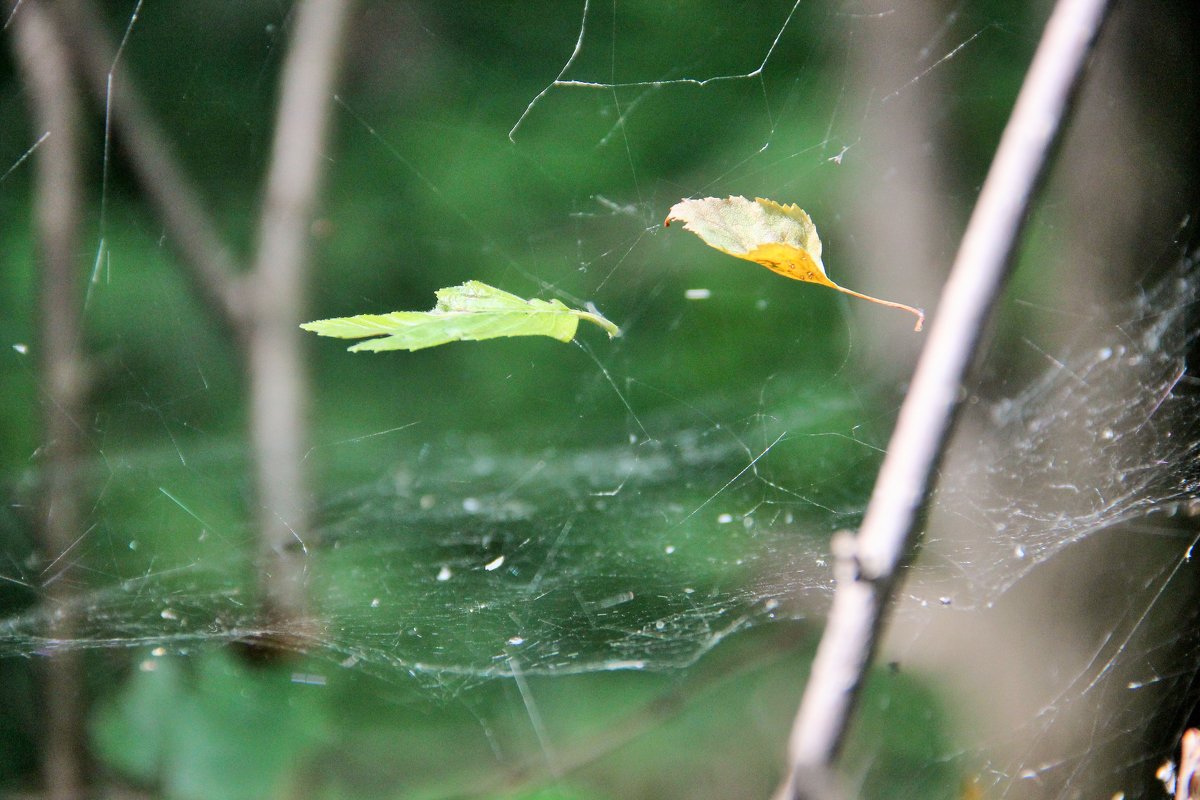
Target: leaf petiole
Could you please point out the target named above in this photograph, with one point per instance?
(910, 309)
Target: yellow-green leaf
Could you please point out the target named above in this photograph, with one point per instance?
(470, 312)
(781, 238)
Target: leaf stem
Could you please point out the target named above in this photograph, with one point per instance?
(910, 309)
(611, 329)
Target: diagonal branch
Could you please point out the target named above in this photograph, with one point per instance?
(208, 262)
(868, 565)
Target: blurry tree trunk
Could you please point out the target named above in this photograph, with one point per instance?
(54, 107)
(263, 307)
(277, 372)
(896, 201)
(1129, 168)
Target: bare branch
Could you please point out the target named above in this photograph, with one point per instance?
(278, 374)
(208, 262)
(264, 307)
(869, 563)
(55, 110)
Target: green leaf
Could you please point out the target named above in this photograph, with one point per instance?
(214, 729)
(470, 312)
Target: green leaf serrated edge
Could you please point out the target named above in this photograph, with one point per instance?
(473, 311)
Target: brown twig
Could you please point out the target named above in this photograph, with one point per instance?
(278, 374)
(55, 108)
(868, 563)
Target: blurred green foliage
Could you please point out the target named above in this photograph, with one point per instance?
(215, 727)
(225, 731)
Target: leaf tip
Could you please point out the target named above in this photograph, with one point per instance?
(318, 326)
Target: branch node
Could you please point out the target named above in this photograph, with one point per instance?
(847, 566)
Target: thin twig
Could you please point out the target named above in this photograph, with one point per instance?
(869, 563)
(277, 370)
(55, 108)
(191, 231)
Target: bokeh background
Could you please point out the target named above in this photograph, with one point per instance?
(662, 501)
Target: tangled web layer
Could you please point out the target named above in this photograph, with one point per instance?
(462, 562)
(1110, 433)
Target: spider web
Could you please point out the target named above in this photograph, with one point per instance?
(515, 511)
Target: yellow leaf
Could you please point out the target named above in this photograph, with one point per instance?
(781, 238)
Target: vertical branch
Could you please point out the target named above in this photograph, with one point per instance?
(277, 372)
(868, 564)
(54, 105)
